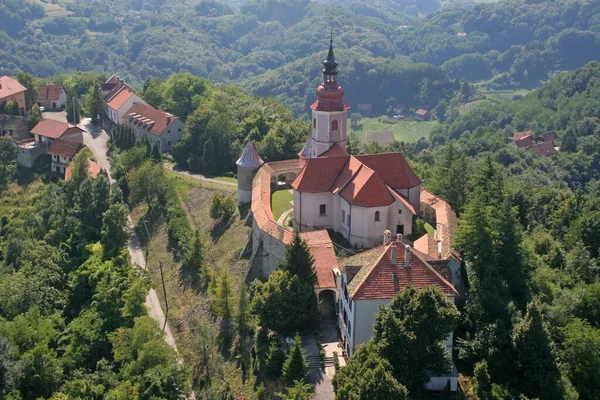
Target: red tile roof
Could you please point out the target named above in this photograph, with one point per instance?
(65, 148)
(335, 151)
(521, 135)
(544, 149)
(392, 168)
(383, 280)
(10, 87)
(54, 129)
(524, 143)
(321, 248)
(550, 137)
(319, 174)
(366, 189)
(93, 170)
(120, 98)
(158, 122)
(422, 112)
(49, 92)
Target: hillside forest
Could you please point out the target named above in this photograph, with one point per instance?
(269, 47)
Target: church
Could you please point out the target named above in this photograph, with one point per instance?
(358, 196)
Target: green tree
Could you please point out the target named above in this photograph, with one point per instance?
(286, 304)
(299, 391)
(295, 367)
(209, 158)
(411, 332)
(482, 380)
(35, 116)
(10, 368)
(569, 141)
(115, 232)
(72, 107)
(147, 184)
(195, 255)
(368, 375)
(274, 360)
(156, 157)
(581, 354)
(30, 84)
(589, 307)
(8, 159)
(95, 106)
(451, 178)
(537, 373)
(222, 207)
(299, 261)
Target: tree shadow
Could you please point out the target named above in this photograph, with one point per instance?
(190, 279)
(244, 210)
(220, 228)
(147, 226)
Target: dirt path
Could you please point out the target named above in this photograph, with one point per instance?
(200, 177)
(188, 212)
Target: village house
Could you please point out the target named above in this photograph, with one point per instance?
(14, 126)
(523, 140)
(157, 126)
(12, 90)
(52, 97)
(372, 278)
(47, 131)
(62, 152)
(544, 148)
(550, 137)
(118, 98)
(422, 113)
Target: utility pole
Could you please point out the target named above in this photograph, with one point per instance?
(165, 294)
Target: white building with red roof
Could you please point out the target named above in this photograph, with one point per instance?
(52, 97)
(155, 125)
(118, 99)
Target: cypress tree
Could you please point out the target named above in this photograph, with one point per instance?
(194, 257)
(295, 367)
(537, 374)
(96, 104)
(299, 261)
(156, 157)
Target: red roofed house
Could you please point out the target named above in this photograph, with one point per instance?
(93, 170)
(52, 97)
(47, 131)
(372, 278)
(550, 137)
(157, 126)
(523, 139)
(544, 149)
(63, 152)
(119, 100)
(422, 114)
(12, 90)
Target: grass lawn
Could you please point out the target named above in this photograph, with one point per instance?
(191, 315)
(52, 10)
(184, 183)
(281, 202)
(404, 130)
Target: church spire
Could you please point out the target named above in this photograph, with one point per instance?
(330, 65)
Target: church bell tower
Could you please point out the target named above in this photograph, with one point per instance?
(329, 112)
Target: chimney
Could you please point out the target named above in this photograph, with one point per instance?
(168, 120)
(407, 256)
(393, 255)
(399, 237)
(387, 237)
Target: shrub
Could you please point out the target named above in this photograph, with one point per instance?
(222, 207)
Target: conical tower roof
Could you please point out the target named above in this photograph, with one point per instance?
(306, 151)
(250, 157)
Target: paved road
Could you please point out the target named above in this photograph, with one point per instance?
(200, 177)
(96, 140)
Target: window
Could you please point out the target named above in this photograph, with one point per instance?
(179, 130)
(168, 143)
(350, 304)
(400, 211)
(349, 328)
(323, 209)
(376, 215)
(314, 122)
(334, 125)
(169, 131)
(343, 216)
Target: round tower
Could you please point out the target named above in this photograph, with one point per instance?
(247, 165)
(329, 112)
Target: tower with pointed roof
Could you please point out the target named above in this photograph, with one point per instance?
(247, 165)
(329, 112)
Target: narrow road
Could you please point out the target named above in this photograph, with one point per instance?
(200, 177)
(95, 138)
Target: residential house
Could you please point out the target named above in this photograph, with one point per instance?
(63, 152)
(52, 97)
(12, 90)
(110, 85)
(14, 126)
(372, 278)
(157, 126)
(119, 101)
(47, 131)
(365, 109)
(544, 149)
(550, 137)
(93, 170)
(422, 114)
(523, 140)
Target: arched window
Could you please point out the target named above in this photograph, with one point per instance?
(334, 125)
(376, 215)
(314, 122)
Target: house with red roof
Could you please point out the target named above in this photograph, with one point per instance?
(12, 90)
(62, 152)
(52, 97)
(372, 278)
(544, 148)
(47, 131)
(119, 99)
(157, 126)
